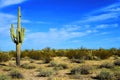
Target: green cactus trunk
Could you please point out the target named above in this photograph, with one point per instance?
(18, 37)
(18, 52)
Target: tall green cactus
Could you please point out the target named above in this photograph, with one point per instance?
(18, 37)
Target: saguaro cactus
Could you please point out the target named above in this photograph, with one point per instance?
(18, 37)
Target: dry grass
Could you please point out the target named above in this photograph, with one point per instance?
(64, 74)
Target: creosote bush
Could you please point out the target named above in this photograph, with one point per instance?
(4, 57)
(58, 66)
(57, 78)
(39, 69)
(47, 59)
(102, 53)
(7, 69)
(45, 73)
(76, 77)
(81, 53)
(84, 69)
(77, 60)
(117, 62)
(32, 60)
(5, 77)
(53, 64)
(75, 70)
(63, 65)
(76, 53)
(107, 65)
(16, 74)
(117, 75)
(28, 66)
(105, 75)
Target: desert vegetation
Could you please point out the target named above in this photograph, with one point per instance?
(61, 64)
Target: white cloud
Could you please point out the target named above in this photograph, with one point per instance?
(5, 21)
(4, 3)
(42, 22)
(100, 17)
(113, 7)
(115, 39)
(111, 12)
(71, 27)
(103, 33)
(105, 18)
(55, 36)
(6, 18)
(104, 26)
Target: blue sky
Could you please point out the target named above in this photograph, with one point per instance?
(62, 23)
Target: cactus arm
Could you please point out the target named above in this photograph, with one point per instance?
(12, 31)
(13, 35)
(22, 34)
(17, 36)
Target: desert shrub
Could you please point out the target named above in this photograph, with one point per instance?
(4, 77)
(31, 60)
(76, 70)
(47, 59)
(16, 74)
(58, 66)
(77, 60)
(7, 68)
(25, 58)
(39, 69)
(35, 54)
(12, 58)
(45, 73)
(11, 64)
(89, 55)
(60, 52)
(115, 51)
(4, 57)
(107, 65)
(117, 62)
(96, 58)
(116, 57)
(81, 53)
(76, 77)
(105, 75)
(28, 66)
(44, 54)
(84, 69)
(12, 53)
(118, 52)
(117, 75)
(102, 53)
(57, 78)
(25, 53)
(63, 65)
(53, 64)
(76, 53)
